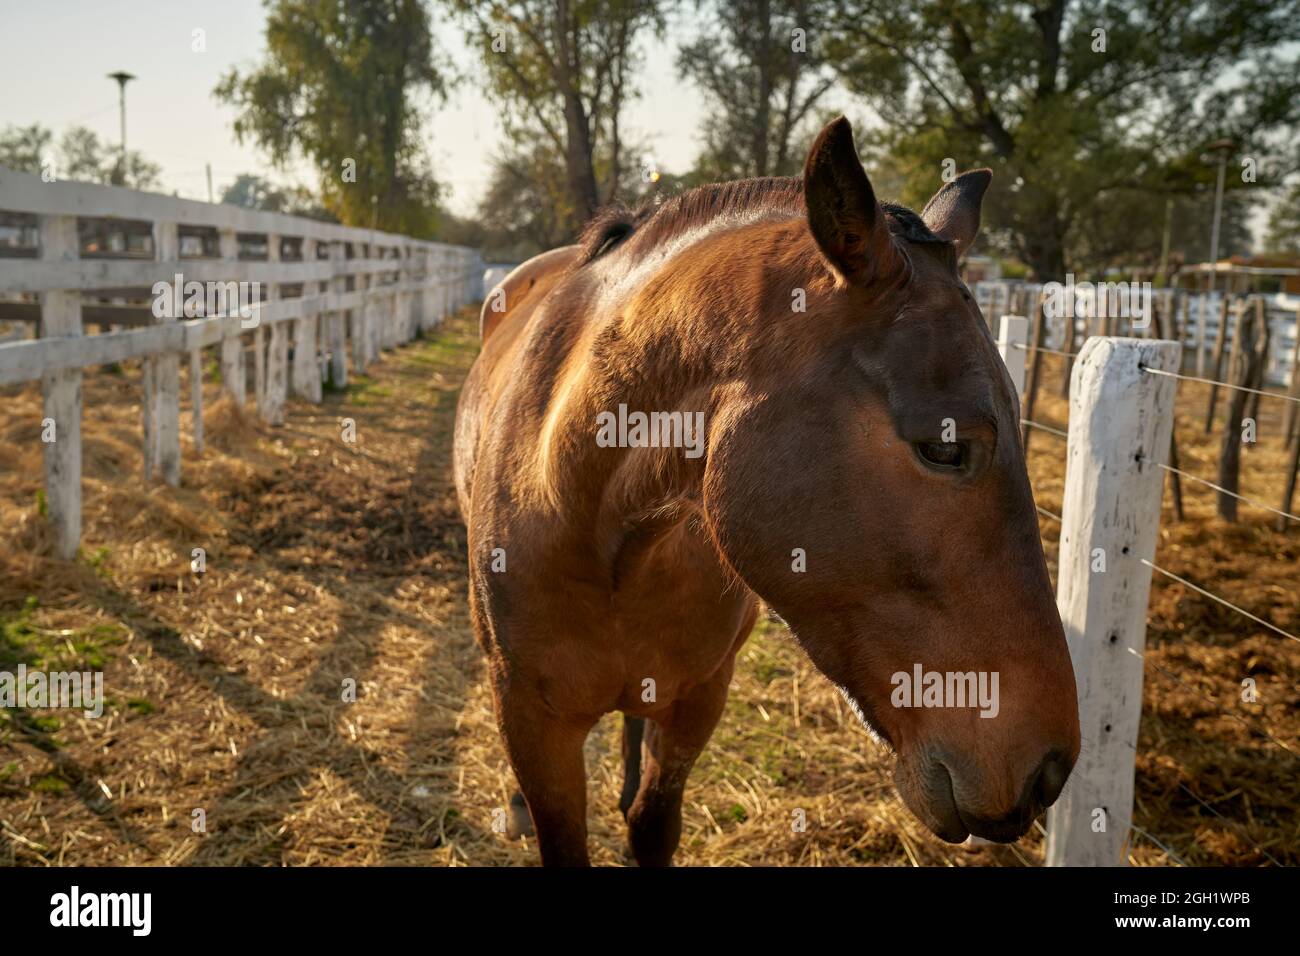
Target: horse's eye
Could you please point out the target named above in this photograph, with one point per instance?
(941, 454)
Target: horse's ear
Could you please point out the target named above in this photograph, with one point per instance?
(843, 214)
(954, 211)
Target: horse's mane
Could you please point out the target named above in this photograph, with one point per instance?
(657, 219)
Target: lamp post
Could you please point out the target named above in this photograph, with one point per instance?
(122, 78)
(1220, 148)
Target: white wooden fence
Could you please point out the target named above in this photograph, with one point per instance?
(399, 287)
(1196, 316)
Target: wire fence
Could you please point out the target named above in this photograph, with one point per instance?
(1253, 728)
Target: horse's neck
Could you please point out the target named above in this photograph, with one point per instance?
(667, 348)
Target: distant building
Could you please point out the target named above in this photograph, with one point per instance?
(980, 269)
(1243, 274)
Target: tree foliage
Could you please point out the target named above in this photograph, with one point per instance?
(1091, 112)
(562, 70)
(1283, 234)
(761, 79)
(80, 156)
(250, 191)
(341, 87)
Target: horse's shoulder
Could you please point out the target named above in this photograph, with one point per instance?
(527, 282)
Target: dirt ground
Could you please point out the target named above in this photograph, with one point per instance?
(227, 740)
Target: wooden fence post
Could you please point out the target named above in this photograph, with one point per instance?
(1068, 343)
(162, 377)
(1217, 368)
(430, 306)
(1289, 429)
(403, 301)
(196, 397)
(259, 366)
(1265, 334)
(369, 307)
(337, 321)
(61, 390)
(1168, 328)
(1202, 307)
(306, 367)
(357, 316)
(1120, 422)
(277, 355)
(1034, 353)
(1013, 334)
(1249, 346)
(393, 314)
(232, 346)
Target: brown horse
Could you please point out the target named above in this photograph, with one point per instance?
(858, 469)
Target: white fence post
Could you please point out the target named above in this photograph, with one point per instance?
(162, 385)
(306, 367)
(1013, 341)
(428, 312)
(337, 322)
(1120, 421)
(232, 346)
(277, 353)
(402, 302)
(61, 316)
(357, 315)
(196, 396)
(369, 312)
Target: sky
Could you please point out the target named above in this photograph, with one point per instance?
(55, 57)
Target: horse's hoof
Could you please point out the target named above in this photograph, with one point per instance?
(521, 822)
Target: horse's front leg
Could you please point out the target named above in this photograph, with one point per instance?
(545, 750)
(673, 741)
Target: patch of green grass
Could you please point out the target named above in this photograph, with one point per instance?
(364, 392)
(99, 561)
(50, 784)
(141, 705)
(23, 641)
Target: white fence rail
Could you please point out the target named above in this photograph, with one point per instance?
(338, 297)
(1195, 315)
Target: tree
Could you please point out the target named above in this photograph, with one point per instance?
(527, 207)
(562, 69)
(1092, 113)
(1283, 234)
(255, 192)
(81, 156)
(761, 79)
(339, 88)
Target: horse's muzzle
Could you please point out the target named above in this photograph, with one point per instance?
(932, 794)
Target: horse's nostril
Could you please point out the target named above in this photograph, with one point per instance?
(1051, 778)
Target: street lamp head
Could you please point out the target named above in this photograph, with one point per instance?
(1218, 151)
(122, 77)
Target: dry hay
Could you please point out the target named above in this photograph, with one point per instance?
(328, 561)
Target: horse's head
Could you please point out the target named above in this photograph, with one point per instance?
(867, 480)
